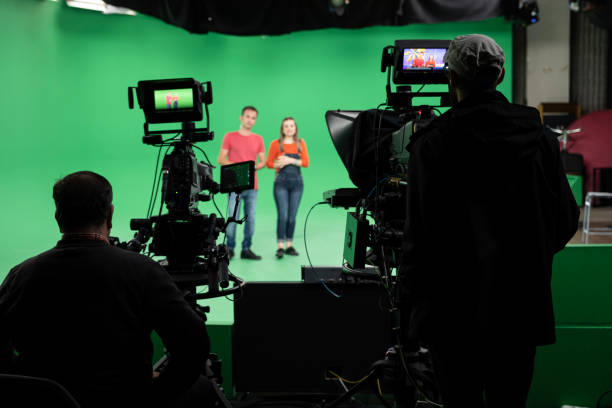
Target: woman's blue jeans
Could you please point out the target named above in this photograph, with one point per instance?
(288, 190)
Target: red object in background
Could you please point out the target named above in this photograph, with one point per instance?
(594, 143)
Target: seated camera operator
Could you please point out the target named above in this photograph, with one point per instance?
(488, 206)
(82, 312)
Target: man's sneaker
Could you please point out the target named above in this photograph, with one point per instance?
(248, 254)
(291, 251)
(230, 253)
(280, 253)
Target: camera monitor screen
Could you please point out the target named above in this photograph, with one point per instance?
(420, 62)
(171, 100)
(237, 177)
(423, 58)
(168, 99)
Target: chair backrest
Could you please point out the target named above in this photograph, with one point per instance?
(572, 110)
(18, 391)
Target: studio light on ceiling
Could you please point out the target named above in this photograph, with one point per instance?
(338, 6)
(99, 5)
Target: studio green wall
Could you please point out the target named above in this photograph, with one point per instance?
(65, 74)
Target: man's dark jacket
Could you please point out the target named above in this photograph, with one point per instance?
(82, 314)
(488, 206)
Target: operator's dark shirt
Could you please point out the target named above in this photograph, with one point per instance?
(488, 206)
(82, 314)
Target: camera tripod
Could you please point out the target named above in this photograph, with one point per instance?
(377, 371)
(393, 371)
(406, 369)
(213, 378)
(208, 386)
(210, 380)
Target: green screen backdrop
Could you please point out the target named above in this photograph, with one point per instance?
(64, 108)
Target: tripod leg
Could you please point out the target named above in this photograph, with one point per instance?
(203, 393)
(222, 399)
(378, 392)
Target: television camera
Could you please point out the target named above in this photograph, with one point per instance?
(186, 237)
(372, 145)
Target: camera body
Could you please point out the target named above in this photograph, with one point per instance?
(373, 147)
(186, 237)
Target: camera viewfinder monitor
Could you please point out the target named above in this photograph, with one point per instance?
(420, 62)
(237, 177)
(171, 100)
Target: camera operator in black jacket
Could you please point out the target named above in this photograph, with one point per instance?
(82, 312)
(488, 206)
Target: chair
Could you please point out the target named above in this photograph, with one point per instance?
(602, 181)
(17, 391)
(586, 227)
(562, 113)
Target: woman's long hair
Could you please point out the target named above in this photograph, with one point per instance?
(296, 138)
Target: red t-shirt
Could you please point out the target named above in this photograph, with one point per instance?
(242, 148)
(418, 62)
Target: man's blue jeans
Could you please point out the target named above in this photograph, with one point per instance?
(249, 199)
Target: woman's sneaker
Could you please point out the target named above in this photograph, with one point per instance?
(280, 253)
(291, 251)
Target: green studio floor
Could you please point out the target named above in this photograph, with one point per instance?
(575, 371)
(324, 238)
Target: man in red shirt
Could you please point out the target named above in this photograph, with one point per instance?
(239, 146)
(419, 59)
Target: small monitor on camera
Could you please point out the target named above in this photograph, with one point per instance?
(173, 100)
(420, 62)
(237, 177)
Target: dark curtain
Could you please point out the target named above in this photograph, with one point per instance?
(258, 17)
(589, 59)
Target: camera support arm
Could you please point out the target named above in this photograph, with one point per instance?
(232, 218)
(194, 135)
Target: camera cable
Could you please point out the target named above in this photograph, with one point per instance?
(157, 179)
(601, 397)
(155, 187)
(411, 379)
(215, 204)
(308, 255)
(213, 194)
(205, 155)
(376, 186)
